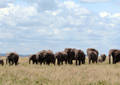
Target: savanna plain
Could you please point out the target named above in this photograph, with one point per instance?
(88, 74)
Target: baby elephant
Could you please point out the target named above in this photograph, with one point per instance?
(103, 58)
(2, 62)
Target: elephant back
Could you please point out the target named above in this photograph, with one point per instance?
(89, 50)
(111, 51)
(81, 53)
(116, 53)
(41, 54)
(12, 55)
(61, 55)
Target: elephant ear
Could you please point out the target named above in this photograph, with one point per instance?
(7, 54)
(88, 50)
(111, 51)
(30, 56)
(11, 54)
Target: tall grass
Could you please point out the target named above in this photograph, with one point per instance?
(93, 74)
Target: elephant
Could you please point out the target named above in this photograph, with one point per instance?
(92, 55)
(2, 62)
(115, 53)
(33, 58)
(79, 57)
(12, 58)
(46, 57)
(41, 57)
(49, 57)
(103, 58)
(61, 57)
(70, 55)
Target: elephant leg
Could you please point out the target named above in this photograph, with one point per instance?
(9, 61)
(29, 61)
(36, 62)
(48, 63)
(93, 61)
(83, 62)
(33, 62)
(61, 62)
(44, 62)
(16, 63)
(76, 62)
(113, 60)
(58, 62)
(65, 61)
(79, 62)
(12, 62)
(2, 63)
(40, 62)
(54, 63)
(96, 61)
(71, 61)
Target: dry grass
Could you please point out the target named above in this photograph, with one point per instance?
(94, 74)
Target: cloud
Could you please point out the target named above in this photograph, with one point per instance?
(43, 5)
(56, 25)
(6, 35)
(77, 9)
(116, 15)
(5, 3)
(104, 14)
(110, 15)
(94, 1)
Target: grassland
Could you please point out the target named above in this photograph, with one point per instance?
(93, 74)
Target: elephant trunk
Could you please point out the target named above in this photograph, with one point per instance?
(109, 59)
(29, 61)
(6, 61)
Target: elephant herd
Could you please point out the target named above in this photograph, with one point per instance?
(43, 57)
(67, 57)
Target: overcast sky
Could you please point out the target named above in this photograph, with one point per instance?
(28, 26)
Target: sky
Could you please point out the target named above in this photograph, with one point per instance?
(29, 26)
